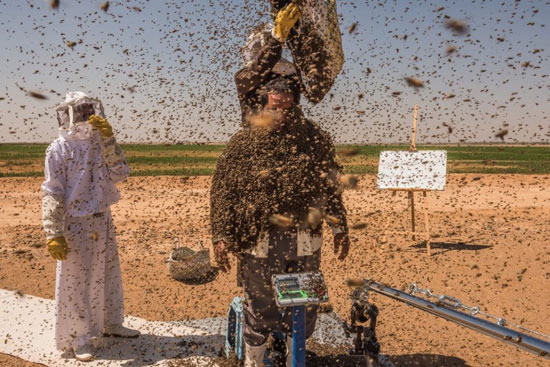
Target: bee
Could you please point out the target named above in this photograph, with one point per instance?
(413, 82)
(352, 27)
(281, 221)
(37, 95)
(457, 26)
(360, 225)
(501, 134)
(18, 293)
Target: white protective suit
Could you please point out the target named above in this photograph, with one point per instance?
(81, 170)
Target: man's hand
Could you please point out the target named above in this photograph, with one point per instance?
(285, 20)
(105, 129)
(341, 243)
(221, 257)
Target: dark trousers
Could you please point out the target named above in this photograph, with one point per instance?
(261, 314)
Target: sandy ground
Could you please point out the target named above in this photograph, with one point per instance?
(492, 249)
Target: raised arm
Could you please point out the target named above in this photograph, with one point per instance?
(257, 71)
(115, 160)
(254, 74)
(112, 153)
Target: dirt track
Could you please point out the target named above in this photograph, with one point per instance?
(492, 250)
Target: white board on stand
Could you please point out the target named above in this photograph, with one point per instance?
(418, 170)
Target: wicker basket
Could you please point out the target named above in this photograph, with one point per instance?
(187, 264)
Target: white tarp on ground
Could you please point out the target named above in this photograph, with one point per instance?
(27, 332)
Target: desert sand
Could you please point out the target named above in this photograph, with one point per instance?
(491, 248)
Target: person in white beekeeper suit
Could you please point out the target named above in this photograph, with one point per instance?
(82, 166)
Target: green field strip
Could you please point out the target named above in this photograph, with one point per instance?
(174, 172)
(171, 160)
(24, 160)
(172, 147)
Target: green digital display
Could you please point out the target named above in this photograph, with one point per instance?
(299, 294)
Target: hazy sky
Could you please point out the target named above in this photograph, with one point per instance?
(164, 69)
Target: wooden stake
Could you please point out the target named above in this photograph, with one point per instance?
(427, 224)
(412, 148)
(413, 224)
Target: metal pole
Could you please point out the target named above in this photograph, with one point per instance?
(513, 337)
(299, 336)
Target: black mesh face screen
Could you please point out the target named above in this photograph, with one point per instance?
(83, 112)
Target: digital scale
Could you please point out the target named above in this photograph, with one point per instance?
(297, 291)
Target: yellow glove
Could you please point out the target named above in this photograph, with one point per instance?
(105, 129)
(285, 20)
(57, 247)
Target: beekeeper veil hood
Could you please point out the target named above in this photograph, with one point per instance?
(73, 115)
(254, 45)
(77, 108)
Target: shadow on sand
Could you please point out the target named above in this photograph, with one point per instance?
(443, 247)
(149, 349)
(427, 360)
(208, 278)
(411, 360)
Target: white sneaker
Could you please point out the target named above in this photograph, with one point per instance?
(84, 353)
(119, 331)
(254, 356)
